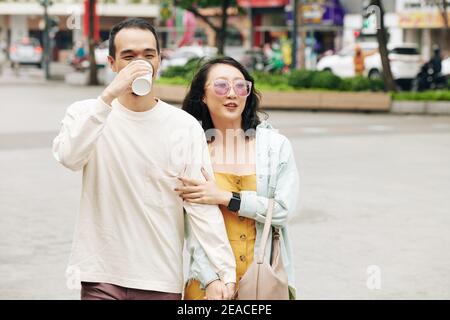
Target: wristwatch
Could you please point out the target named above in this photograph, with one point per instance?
(235, 202)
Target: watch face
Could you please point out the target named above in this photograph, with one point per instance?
(234, 204)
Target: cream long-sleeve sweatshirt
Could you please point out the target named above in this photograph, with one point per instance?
(130, 228)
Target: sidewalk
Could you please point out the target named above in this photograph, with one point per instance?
(59, 72)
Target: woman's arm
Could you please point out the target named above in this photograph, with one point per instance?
(286, 192)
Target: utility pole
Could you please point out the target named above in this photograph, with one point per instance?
(46, 38)
(252, 29)
(93, 79)
(294, 8)
(301, 18)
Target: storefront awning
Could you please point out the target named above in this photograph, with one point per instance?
(262, 3)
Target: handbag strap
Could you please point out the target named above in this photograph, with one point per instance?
(266, 230)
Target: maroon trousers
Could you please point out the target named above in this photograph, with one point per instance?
(106, 291)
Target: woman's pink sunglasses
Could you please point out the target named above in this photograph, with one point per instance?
(240, 86)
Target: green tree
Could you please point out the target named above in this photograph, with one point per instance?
(221, 30)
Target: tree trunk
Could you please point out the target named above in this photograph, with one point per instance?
(93, 80)
(446, 26)
(444, 13)
(221, 35)
(389, 83)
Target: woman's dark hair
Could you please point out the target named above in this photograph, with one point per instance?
(194, 105)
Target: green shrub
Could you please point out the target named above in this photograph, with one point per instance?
(325, 80)
(437, 95)
(296, 79)
(377, 85)
(172, 72)
(270, 79)
(187, 71)
(261, 86)
(301, 78)
(360, 83)
(173, 81)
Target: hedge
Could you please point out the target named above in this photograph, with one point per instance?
(304, 79)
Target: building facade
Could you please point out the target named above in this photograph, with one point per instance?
(24, 18)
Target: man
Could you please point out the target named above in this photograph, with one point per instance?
(129, 237)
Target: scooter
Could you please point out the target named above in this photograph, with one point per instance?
(429, 79)
(275, 63)
(80, 64)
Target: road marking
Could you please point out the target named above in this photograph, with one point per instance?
(440, 126)
(314, 130)
(380, 128)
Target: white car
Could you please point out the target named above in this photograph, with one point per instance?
(101, 53)
(180, 56)
(446, 67)
(405, 61)
(341, 64)
(26, 51)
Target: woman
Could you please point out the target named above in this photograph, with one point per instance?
(251, 162)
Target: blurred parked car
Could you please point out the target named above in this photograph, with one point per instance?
(446, 67)
(341, 64)
(182, 55)
(27, 51)
(405, 62)
(101, 54)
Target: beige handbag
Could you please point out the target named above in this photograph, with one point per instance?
(264, 281)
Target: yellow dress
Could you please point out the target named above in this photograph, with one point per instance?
(241, 231)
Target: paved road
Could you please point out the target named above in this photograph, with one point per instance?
(375, 191)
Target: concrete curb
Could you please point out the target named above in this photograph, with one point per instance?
(308, 100)
(81, 78)
(409, 107)
(421, 107)
(438, 107)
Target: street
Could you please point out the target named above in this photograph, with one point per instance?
(375, 191)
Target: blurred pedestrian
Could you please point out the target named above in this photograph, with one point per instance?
(79, 56)
(2, 55)
(436, 60)
(358, 61)
(79, 50)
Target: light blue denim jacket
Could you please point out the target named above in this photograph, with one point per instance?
(277, 177)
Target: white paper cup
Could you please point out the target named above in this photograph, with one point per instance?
(143, 85)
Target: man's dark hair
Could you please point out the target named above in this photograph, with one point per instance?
(131, 23)
(194, 105)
